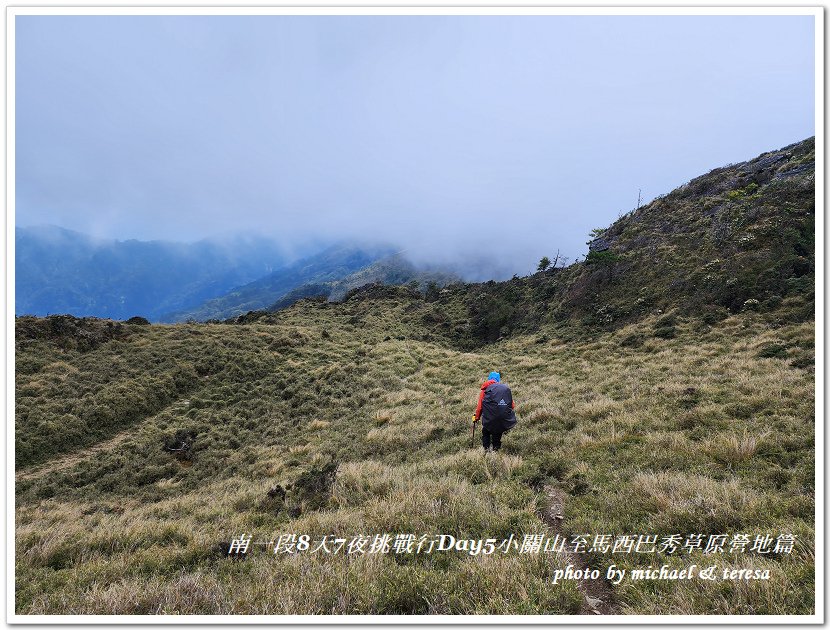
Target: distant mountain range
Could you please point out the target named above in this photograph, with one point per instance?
(330, 274)
(331, 264)
(390, 270)
(63, 271)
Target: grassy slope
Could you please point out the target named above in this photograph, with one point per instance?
(695, 420)
(133, 529)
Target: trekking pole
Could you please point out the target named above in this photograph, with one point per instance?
(473, 437)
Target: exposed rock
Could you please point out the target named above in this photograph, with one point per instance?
(599, 244)
(798, 170)
(768, 161)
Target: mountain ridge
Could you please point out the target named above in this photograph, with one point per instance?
(333, 263)
(663, 386)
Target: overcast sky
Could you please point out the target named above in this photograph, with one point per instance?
(451, 136)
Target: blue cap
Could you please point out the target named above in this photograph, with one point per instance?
(494, 376)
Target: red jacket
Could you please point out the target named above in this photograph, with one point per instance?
(484, 386)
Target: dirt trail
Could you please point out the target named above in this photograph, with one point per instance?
(67, 460)
(71, 459)
(597, 598)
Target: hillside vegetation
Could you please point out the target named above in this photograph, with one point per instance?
(663, 386)
(330, 274)
(333, 263)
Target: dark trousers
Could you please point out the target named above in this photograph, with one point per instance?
(487, 436)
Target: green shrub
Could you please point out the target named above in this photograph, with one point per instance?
(772, 351)
(665, 332)
(633, 340)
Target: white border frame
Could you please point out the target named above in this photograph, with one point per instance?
(370, 9)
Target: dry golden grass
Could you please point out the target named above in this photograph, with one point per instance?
(690, 434)
(734, 449)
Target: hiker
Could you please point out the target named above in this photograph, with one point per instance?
(495, 408)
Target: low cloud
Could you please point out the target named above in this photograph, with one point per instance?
(488, 142)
